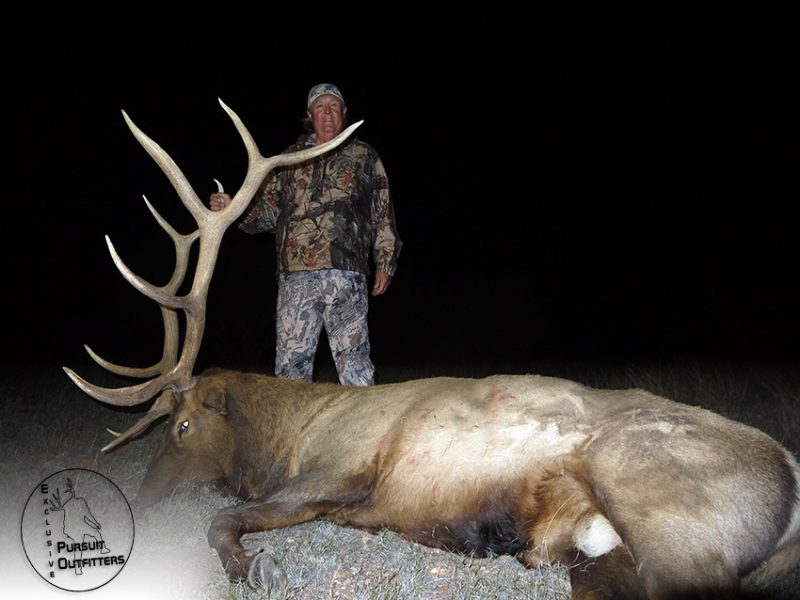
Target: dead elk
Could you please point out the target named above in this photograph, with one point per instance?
(654, 498)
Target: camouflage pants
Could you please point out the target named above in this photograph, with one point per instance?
(307, 300)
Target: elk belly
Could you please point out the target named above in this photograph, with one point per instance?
(466, 488)
(484, 522)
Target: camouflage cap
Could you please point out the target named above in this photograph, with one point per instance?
(320, 90)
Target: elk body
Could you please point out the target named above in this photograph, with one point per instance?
(652, 498)
(662, 497)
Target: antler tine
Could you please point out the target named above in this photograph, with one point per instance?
(294, 158)
(171, 170)
(183, 245)
(124, 396)
(169, 357)
(161, 407)
(259, 166)
(148, 289)
(139, 372)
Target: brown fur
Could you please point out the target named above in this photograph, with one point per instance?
(645, 497)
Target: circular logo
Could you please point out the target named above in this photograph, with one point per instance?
(77, 530)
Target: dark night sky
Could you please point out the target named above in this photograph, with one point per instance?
(580, 183)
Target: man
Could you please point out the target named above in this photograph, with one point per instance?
(330, 216)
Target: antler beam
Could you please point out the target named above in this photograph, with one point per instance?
(173, 373)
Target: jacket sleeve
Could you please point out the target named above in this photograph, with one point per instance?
(387, 243)
(263, 212)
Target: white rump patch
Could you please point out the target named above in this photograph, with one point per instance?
(595, 536)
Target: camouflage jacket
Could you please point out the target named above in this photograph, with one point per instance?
(332, 212)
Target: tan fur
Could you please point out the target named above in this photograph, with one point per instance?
(648, 495)
(787, 556)
(560, 515)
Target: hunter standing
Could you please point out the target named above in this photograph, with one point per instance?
(331, 217)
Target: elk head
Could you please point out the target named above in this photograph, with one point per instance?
(173, 373)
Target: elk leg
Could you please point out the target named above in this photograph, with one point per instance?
(564, 519)
(567, 524)
(265, 573)
(302, 499)
(606, 577)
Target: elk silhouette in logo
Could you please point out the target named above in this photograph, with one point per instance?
(650, 497)
(79, 524)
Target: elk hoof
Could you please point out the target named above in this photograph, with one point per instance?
(264, 573)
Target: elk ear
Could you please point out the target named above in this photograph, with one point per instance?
(216, 402)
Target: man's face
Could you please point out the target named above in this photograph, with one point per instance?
(327, 115)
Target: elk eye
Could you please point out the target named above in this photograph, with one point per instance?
(182, 428)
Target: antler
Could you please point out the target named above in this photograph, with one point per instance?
(173, 373)
(169, 357)
(55, 500)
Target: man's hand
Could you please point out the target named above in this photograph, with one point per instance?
(381, 283)
(219, 200)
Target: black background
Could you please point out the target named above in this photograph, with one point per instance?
(580, 183)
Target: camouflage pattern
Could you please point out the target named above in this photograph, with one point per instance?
(333, 212)
(307, 300)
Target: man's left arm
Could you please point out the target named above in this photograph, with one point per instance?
(387, 244)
